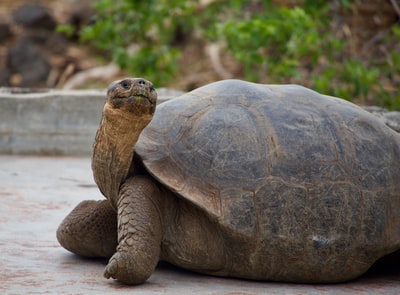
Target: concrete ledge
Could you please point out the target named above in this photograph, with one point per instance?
(64, 122)
(52, 122)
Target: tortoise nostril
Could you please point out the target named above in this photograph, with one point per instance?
(142, 82)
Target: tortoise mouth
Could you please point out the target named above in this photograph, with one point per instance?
(139, 98)
(132, 102)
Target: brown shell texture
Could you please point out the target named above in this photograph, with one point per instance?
(280, 163)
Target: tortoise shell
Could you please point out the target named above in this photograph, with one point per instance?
(281, 163)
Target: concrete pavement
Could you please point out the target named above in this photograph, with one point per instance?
(35, 195)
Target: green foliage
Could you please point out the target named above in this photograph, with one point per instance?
(65, 29)
(390, 71)
(359, 80)
(149, 24)
(275, 44)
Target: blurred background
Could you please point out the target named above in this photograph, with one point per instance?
(345, 48)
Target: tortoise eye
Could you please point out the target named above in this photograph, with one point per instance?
(125, 84)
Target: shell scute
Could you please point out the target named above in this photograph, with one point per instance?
(277, 161)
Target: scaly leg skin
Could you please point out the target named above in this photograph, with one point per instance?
(90, 230)
(139, 232)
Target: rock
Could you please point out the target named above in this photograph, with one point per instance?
(26, 59)
(5, 76)
(34, 16)
(5, 31)
(53, 42)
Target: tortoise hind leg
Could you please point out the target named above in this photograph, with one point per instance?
(90, 229)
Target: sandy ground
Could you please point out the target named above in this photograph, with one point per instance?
(35, 195)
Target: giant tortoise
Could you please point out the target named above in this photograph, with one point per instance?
(236, 179)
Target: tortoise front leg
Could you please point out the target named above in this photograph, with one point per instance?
(139, 232)
(90, 229)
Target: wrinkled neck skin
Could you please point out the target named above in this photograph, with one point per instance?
(113, 149)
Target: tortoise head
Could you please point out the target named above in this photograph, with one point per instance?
(129, 108)
(134, 95)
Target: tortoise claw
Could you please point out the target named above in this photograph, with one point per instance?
(111, 268)
(122, 268)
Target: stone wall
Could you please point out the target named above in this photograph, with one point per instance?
(52, 122)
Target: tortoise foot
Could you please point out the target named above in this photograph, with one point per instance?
(122, 267)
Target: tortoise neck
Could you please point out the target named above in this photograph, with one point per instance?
(113, 149)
